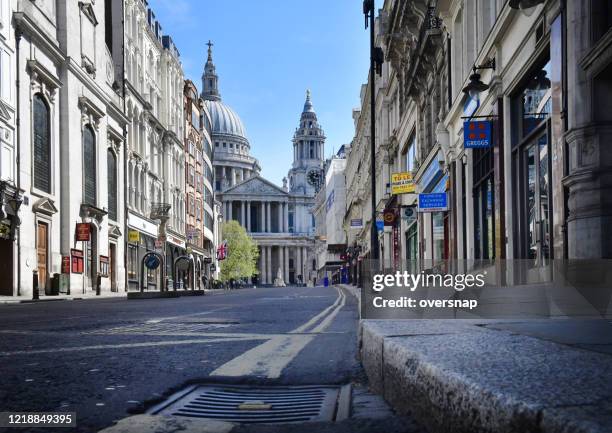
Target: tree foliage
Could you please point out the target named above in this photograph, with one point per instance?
(242, 253)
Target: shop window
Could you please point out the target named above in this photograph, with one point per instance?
(534, 100)
(132, 262)
(531, 167)
(602, 18)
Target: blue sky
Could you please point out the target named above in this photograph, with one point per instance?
(267, 53)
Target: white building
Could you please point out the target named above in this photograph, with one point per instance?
(329, 210)
(156, 162)
(68, 69)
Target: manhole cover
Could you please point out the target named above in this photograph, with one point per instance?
(248, 404)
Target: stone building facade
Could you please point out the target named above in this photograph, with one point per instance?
(540, 191)
(69, 146)
(155, 157)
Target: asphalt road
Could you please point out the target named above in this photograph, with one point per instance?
(109, 358)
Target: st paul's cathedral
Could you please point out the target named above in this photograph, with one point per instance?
(278, 218)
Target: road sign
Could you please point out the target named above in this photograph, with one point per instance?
(152, 261)
(476, 134)
(401, 183)
(356, 223)
(380, 225)
(435, 202)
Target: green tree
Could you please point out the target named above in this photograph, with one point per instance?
(242, 253)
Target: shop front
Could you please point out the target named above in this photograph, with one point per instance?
(433, 205)
(142, 237)
(531, 167)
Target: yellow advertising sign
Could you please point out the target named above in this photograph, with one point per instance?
(401, 183)
(133, 236)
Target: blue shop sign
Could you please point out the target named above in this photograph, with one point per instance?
(441, 186)
(434, 202)
(431, 176)
(476, 134)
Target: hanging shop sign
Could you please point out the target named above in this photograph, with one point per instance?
(65, 264)
(356, 223)
(389, 217)
(83, 231)
(133, 236)
(104, 264)
(402, 183)
(380, 225)
(434, 202)
(77, 261)
(476, 134)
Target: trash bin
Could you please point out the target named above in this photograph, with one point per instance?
(55, 285)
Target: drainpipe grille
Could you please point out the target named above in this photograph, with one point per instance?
(249, 405)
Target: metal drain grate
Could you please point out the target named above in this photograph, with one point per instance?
(248, 405)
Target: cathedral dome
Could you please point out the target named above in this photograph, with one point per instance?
(224, 119)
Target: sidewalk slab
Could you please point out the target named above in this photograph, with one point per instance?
(456, 376)
(62, 297)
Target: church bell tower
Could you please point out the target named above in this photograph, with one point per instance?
(306, 175)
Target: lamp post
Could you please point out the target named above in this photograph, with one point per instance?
(376, 60)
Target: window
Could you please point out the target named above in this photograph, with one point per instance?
(408, 163)
(112, 184)
(89, 166)
(42, 144)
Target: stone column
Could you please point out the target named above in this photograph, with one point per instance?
(269, 264)
(280, 216)
(230, 210)
(262, 260)
(286, 216)
(268, 218)
(242, 213)
(298, 263)
(280, 261)
(263, 217)
(248, 216)
(305, 264)
(286, 264)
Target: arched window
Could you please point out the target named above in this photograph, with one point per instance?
(111, 161)
(89, 166)
(42, 144)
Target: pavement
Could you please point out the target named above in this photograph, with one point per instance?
(550, 375)
(110, 360)
(77, 295)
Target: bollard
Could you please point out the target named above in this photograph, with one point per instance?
(35, 294)
(98, 284)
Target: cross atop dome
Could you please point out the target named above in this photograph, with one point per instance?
(210, 45)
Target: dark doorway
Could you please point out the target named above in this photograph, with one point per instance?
(6, 267)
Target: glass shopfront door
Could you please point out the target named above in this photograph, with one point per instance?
(536, 161)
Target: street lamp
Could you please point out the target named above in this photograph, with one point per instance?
(476, 86)
(376, 61)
